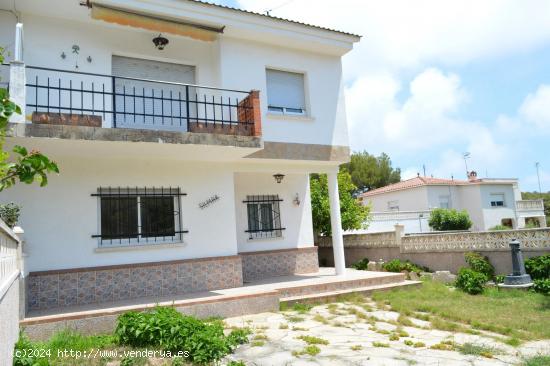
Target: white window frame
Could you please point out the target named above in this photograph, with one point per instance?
(494, 203)
(275, 228)
(393, 205)
(142, 240)
(282, 110)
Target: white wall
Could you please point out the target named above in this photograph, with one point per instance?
(414, 199)
(493, 215)
(59, 219)
(296, 219)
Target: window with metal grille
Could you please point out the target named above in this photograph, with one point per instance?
(139, 215)
(264, 216)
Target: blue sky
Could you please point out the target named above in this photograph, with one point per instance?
(432, 79)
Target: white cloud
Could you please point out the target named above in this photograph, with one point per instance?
(536, 108)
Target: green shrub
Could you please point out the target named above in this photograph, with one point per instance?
(361, 265)
(9, 213)
(470, 281)
(538, 267)
(396, 265)
(168, 329)
(480, 264)
(500, 227)
(442, 219)
(542, 286)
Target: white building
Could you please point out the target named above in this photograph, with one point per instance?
(490, 202)
(194, 154)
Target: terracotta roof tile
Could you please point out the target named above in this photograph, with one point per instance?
(413, 183)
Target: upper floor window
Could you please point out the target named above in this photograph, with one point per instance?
(444, 202)
(497, 200)
(285, 92)
(393, 205)
(139, 215)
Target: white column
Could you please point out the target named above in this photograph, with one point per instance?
(18, 77)
(336, 224)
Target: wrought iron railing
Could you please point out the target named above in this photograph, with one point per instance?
(72, 97)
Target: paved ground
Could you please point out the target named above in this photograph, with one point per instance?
(363, 334)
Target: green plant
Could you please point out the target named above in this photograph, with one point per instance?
(478, 350)
(442, 219)
(500, 227)
(542, 286)
(538, 267)
(539, 360)
(380, 344)
(312, 340)
(470, 281)
(394, 337)
(302, 308)
(361, 265)
(408, 342)
(480, 264)
(9, 213)
(236, 363)
(168, 329)
(396, 265)
(499, 278)
(356, 347)
(419, 345)
(354, 214)
(311, 350)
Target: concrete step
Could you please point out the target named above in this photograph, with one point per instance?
(342, 284)
(334, 295)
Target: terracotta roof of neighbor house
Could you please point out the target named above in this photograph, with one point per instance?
(413, 183)
(273, 17)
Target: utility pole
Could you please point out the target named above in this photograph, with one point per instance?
(537, 165)
(465, 156)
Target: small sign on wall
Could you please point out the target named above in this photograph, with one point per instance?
(206, 203)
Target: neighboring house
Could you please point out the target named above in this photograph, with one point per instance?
(185, 133)
(490, 202)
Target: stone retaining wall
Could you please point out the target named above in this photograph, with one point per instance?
(439, 251)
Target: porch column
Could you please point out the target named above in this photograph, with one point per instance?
(17, 76)
(336, 224)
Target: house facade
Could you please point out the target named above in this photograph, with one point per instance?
(185, 133)
(489, 202)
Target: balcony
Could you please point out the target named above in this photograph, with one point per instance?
(79, 103)
(530, 205)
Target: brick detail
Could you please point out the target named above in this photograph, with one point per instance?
(66, 119)
(240, 129)
(258, 265)
(54, 289)
(249, 111)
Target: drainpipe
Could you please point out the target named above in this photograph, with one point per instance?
(17, 76)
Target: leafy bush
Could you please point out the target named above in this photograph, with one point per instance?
(538, 267)
(396, 265)
(170, 330)
(470, 281)
(500, 227)
(542, 286)
(9, 213)
(361, 265)
(442, 219)
(480, 264)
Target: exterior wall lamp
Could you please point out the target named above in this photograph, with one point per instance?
(278, 177)
(160, 42)
(296, 200)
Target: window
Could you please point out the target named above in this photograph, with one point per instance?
(393, 205)
(264, 218)
(497, 200)
(139, 215)
(285, 92)
(444, 202)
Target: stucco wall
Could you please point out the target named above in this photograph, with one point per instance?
(414, 199)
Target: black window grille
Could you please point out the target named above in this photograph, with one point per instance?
(264, 216)
(139, 215)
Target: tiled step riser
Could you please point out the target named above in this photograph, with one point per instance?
(341, 285)
(330, 297)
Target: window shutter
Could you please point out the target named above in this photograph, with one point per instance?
(285, 89)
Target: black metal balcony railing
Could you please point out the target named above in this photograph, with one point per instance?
(57, 96)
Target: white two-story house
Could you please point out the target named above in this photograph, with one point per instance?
(489, 202)
(185, 133)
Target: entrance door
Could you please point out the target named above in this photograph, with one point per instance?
(151, 105)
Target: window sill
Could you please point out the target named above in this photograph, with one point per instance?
(140, 247)
(275, 238)
(290, 117)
